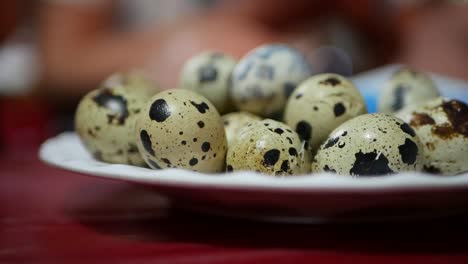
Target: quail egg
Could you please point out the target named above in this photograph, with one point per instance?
(265, 77)
(406, 87)
(320, 104)
(209, 74)
(105, 117)
(269, 147)
(181, 129)
(370, 145)
(234, 122)
(442, 125)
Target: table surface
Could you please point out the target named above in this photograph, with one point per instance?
(52, 216)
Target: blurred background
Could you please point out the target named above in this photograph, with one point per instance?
(53, 51)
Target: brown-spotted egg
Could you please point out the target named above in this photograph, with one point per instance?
(181, 129)
(234, 122)
(269, 147)
(406, 87)
(209, 74)
(370, 145)
(263, 79)
(320, 104)
(105, 117)
(442, 125)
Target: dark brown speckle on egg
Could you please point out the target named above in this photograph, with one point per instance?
(271, 157)
(408, 151)
(370, 164)
(159, 110)
(193, 161)
(339, 109)
(205, 146)
(146, 142)
(304, 130)
(407, 129)
(292, 152)
(331, 81)
(201, 107)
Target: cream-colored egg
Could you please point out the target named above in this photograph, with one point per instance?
(406, 87)
(269, 147)
(209, 74)
(442, 125)
(234, 122)
(263, 79)
(370, 145)
(181, 129)
(105, 117)
(320, 104)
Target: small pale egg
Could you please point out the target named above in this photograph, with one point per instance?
(264, 79)
(234, 122)
(370, 145)
(269, 147)
(105, 117)
(181, 129)
(209, 74)
(320, 104)
(406, 87)
(442, 125)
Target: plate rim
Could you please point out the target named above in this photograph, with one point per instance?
(248, 180)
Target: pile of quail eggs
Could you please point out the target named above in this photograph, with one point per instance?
(268, 113)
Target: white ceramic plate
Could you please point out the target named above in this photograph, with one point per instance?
(315, 197)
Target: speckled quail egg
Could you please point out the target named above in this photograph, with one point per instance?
(181, 129)
(234, 122)
(406, 87)
(442, 125)
(320, 104)
(263, 79)
(105, 117)
(209, 74)
(269, 147)
(370, 145)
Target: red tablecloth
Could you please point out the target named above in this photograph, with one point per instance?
(51, 216)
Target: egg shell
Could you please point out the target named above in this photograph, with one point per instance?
(370, 145)
(320, 104)
(265, 77)
(442, 125)
(234, 122)
(406, 87)
(209, 74)
(105, 117)
(269, 147)
(181, 129)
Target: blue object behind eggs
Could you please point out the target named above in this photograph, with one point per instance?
(370, 83)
